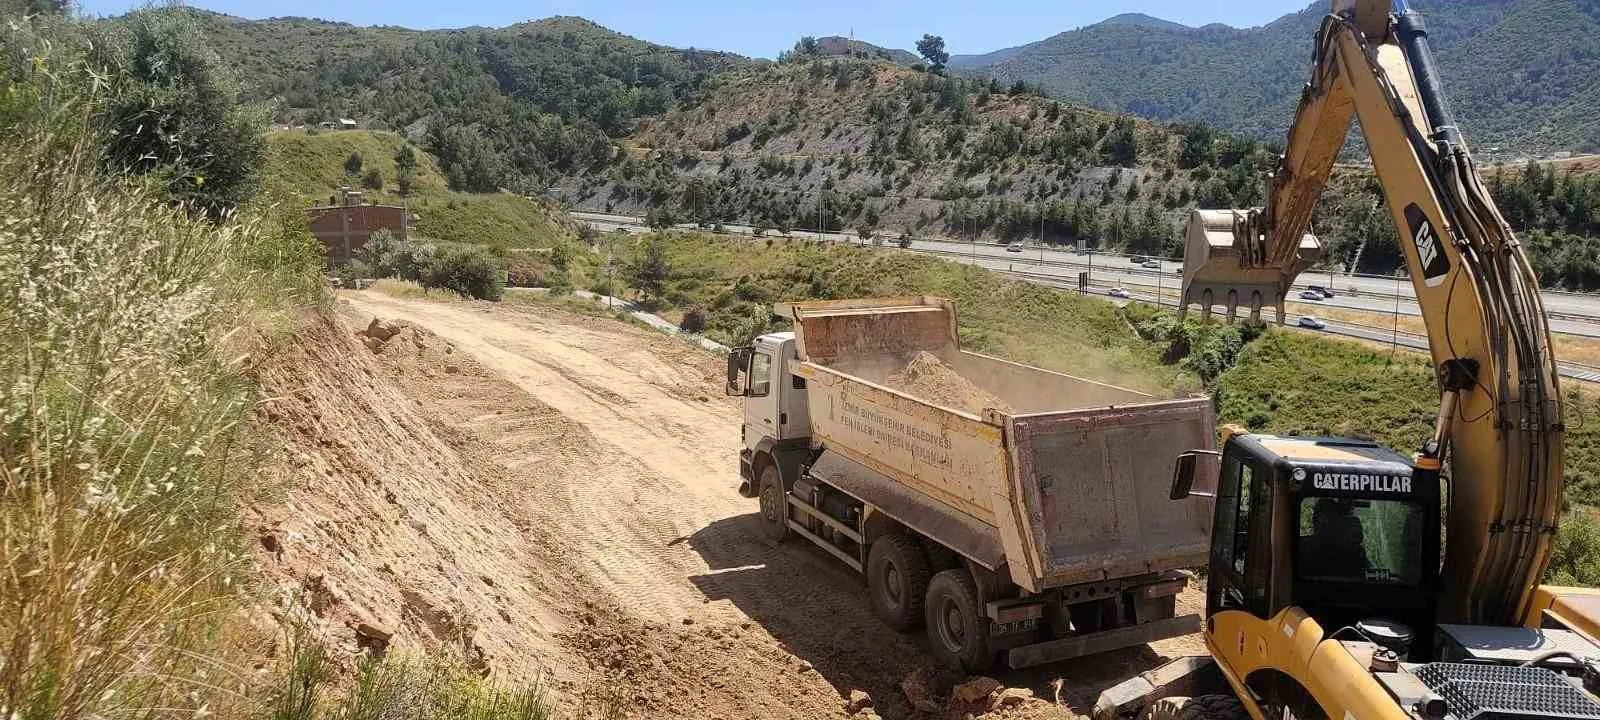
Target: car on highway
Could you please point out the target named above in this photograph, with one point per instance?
(1324, 292)
(1013, 248)
(1152, 265)
(1313, 295)
(1312, 323)
(1117, 292)
(1137, 259)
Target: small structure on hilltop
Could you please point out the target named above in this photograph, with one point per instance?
(346, 223)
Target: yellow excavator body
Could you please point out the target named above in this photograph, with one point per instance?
(1347, 581)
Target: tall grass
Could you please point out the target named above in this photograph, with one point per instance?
(124, 325)
(119, 420)
(128, 325)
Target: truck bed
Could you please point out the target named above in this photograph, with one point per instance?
(1072, 474)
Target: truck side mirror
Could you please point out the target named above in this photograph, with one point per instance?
(1196, 474)
(738, 362)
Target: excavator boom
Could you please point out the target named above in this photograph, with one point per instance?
(1499, 425)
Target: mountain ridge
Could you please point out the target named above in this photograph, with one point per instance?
(1248, 80)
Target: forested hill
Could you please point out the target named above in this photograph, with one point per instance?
(506, 107)
(565, 107)
(1521, 73)
(888, 151)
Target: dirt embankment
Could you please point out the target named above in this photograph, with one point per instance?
(539, 492)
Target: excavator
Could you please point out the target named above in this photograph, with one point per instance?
(1346, 580)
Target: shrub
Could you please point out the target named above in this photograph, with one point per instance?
(390, 257)
(465, 269)
(1575, 559)
(372, 180)
(694, 320)
(173, 113)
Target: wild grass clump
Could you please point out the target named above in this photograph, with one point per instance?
(119, 425)
(397, 688)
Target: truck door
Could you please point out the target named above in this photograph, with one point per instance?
(761, 397)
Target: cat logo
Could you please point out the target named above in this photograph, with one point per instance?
(1430, 254)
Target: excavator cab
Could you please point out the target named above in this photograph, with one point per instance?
(1346, 530)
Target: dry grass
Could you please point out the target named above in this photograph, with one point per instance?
(119, 425)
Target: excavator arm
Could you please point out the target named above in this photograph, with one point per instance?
(1499, 422)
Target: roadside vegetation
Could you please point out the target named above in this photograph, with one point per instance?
(143, 278)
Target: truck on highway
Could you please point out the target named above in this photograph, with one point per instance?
(1014, 512)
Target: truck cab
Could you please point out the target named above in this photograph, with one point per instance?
(777, 419)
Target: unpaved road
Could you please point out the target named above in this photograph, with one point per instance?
(630, 454)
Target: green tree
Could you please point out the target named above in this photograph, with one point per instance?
(173, 113)
(1121, 145)
(405, 158)
(405, 163)
(931, 48)
(372, 180)
(1199, 146)
(471, 161)
(352, 165)
(649, 270)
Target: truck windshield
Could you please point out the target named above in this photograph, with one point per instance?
(1359, 540)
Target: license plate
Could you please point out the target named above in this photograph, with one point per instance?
(1010, 628)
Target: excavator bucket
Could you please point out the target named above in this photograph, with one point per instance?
(1227, 262)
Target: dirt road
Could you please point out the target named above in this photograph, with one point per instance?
(617, 455)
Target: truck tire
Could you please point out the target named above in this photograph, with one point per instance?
(774, 505)
(958, 630)
(1203, 707)
(897, 580)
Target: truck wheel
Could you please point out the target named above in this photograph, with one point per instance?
(897, 580)
(1204, 707)
(774, 505)
(957, 627)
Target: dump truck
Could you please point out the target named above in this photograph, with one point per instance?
(1014, 512)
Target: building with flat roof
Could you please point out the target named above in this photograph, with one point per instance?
(346, 223)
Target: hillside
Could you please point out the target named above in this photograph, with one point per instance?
(304, 169)
(506, 107)
(607, 122)
(1247, 80)
(890, 151)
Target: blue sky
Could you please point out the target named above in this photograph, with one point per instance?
(763, 27)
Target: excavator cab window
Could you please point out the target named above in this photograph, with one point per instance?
(1356, 540)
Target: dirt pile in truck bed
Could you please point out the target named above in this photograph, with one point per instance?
(928, 378)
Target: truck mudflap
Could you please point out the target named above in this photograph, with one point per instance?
(1103, 641)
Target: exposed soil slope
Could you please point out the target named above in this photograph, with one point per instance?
(538, 490)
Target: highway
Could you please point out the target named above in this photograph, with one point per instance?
(1579, 314)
